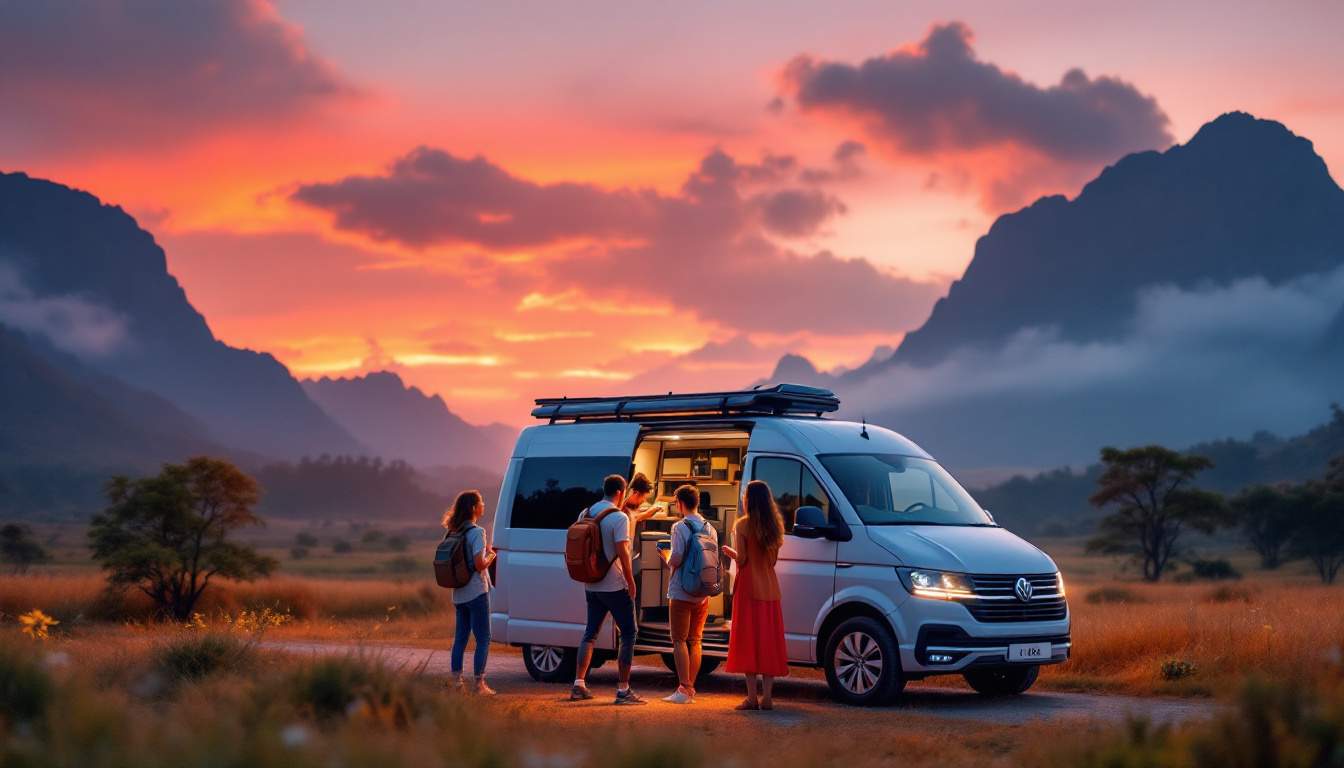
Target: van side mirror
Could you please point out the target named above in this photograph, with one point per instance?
(810, 523)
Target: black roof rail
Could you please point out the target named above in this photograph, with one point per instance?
(779, 400)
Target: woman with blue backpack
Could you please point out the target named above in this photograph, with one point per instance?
(756, 644)
(471, 600)
(694, 559)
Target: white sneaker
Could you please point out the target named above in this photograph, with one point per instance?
(679, 697)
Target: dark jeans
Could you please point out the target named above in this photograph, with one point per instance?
(622, 609)
(473, 617)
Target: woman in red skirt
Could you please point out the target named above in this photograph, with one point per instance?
(756, 644)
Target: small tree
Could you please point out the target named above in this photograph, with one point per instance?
(1320, 536)
(18, 548)
(168, 535)
(1269, 516)
(1150, 490)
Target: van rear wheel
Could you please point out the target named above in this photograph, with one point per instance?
(1002, 681)
(550, 663)
(862, 663)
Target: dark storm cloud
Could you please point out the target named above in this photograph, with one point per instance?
(937, 96)
(153, 70)
(707, 247)
(797, 212)
(431, 196)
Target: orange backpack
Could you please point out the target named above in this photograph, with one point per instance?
(585, 558)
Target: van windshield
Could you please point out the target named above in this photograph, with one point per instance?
(886, 489)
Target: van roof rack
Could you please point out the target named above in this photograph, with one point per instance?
(779, 400)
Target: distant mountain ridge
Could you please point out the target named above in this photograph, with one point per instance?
(1243, 197)
(1182, 294)
(402, 422)
(65, 243)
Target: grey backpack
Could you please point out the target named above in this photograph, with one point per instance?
(701, 570)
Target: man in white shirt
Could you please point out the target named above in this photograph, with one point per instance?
(614, 593)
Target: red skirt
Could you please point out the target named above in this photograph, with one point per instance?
(756, 642)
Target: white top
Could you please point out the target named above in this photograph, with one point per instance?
(615, 529)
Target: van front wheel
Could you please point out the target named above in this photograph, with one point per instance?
(550, 663)
(1003, 681)
(862, 663)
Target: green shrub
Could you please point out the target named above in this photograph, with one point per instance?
(1103, 595)
(341, 547)
(372, 537)
(25, 688)
(298, 553)
(193, 656)
(398, 543)
(1177, 669)
(352, 687)
(1209, 570)
(305, 540)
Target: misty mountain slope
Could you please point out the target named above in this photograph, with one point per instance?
(84, 275)
(1182, 296)
(1245, 197)
(1056, 502)
(401, 422)
(64, 429)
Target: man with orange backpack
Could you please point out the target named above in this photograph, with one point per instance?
(613, 593)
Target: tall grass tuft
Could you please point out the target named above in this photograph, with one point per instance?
(192, 656)
(26, 689)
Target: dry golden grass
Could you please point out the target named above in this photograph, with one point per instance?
(1282, 624)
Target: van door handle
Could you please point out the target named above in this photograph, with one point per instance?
(844, 565)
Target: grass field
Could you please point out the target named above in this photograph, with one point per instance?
(128, 685)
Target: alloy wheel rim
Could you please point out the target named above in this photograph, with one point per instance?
(546, 658)
(858, 662)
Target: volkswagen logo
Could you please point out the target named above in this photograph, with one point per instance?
(1022, 589)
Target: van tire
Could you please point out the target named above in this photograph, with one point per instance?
(707, 666)
(549, 663)
(1002, 681)
(863, 663)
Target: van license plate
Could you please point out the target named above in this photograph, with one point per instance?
(1029, 652)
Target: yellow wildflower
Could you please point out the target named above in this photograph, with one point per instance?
(36, 623)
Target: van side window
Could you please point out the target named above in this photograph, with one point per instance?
(552, 491)
(793, 485)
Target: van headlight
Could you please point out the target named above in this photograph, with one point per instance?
(937, 585)
(1059, 582)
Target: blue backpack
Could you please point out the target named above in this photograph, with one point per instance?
(701, 570)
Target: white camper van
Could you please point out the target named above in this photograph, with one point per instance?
(890, 571)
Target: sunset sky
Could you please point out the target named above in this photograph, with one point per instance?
(507, 200)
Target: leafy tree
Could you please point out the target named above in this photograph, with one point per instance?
(169, 535)
(1269, 516)
(1320, 537)
(18, 548)
(1149, 489)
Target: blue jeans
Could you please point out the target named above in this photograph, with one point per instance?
(622, 609)
(473, 617)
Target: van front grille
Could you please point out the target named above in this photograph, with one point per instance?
(997, 601)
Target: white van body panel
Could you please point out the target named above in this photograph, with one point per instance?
(535, 600)
(961, 548)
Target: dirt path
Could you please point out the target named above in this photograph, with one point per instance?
(802, 699)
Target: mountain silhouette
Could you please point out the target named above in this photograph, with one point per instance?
(1244, 197)
(1182, 295)
(401, 422)
(65, 429)
(64, 245)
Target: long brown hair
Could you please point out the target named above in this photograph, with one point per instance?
(464, 506)
(764, 523)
